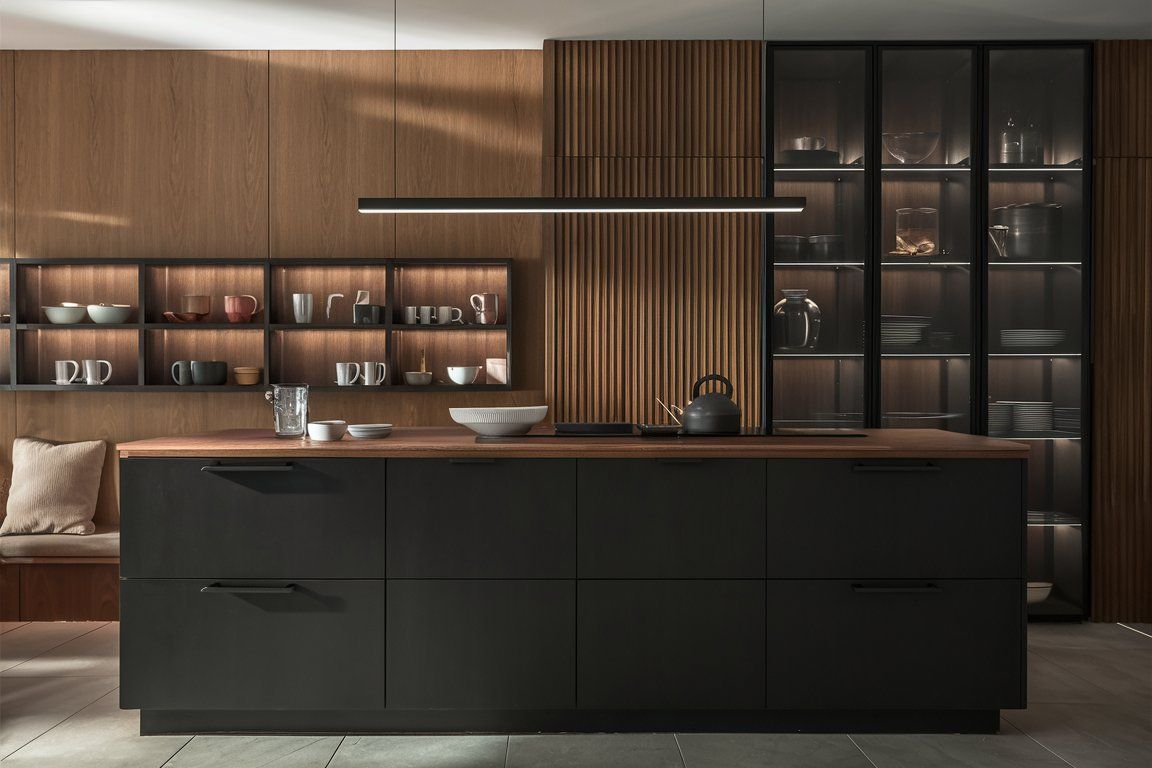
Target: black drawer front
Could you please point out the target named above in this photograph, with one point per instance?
(319, 518)
(251, 645)
(501, 518)
(495, 644)
(947, 644)
(895, 519)
(670, 644)
(647, 518)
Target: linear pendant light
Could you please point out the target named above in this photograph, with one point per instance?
(581, 204)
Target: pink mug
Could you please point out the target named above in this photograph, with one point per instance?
(234, 308)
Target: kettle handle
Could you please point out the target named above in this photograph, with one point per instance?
(712, 377)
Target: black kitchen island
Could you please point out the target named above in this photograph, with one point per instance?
(430, 583)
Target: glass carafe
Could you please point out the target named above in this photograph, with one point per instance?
(797, 321)
(290, 409)
(917, 231)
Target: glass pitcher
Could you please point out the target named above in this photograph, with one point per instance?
(290, 407)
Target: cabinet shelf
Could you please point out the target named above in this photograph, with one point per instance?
(75, 326)
(1046, 519)
(820, 264)
(328, 327)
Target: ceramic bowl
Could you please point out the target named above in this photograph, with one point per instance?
(1038, 591)
(370, 431)
(65, 315)
(246, 376)
(499, 422)
(463, 374)
(109, 313)
(327, 431)
(417, 378)
(185, 317)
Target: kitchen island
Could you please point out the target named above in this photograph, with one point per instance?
(430, 582)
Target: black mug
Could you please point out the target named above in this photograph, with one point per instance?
(366, 314)
(209, 372)
(182, 372)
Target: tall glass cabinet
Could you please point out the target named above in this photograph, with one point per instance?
(938, 276)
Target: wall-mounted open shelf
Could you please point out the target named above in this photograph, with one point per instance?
(143, 349)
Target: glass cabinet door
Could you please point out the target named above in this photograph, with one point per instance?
(818, 142)
(1036, 247)
(926, 251)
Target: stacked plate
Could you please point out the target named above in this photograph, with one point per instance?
(1032, 337)
(1066, 419)
(370, 431)
(1031, 416)
(999, 418)
(902, 330)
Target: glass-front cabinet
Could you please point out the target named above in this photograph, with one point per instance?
(1037, 252)
(937, 276)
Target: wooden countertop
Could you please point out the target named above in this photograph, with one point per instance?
(429, 442)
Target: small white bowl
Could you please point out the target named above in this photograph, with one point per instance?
(109, 313)
(370, 431)
(327, 431)
(1038, 591)
(65, 315)
(463, 374)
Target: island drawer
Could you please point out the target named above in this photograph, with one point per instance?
(299, 518)
(671, 518)
(670, 644)
(905, 644)
(229, 645)
(959, 518)
(481, 644)
(481, 518)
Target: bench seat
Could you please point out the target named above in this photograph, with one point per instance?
(102, 546)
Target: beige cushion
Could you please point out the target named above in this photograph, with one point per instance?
(105, 542)
(54, 486)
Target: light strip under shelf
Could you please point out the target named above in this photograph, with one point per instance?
(581, 204)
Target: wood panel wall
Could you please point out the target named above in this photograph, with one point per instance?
(1122, 334)
(258, 154)
(644, 305)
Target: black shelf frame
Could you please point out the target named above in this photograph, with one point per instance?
(262, 324)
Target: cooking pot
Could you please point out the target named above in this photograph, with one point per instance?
(1026, 232)
(713, 413)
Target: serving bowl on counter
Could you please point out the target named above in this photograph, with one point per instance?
(106, 314)
(500, 422)
(65, 314)
(327, 431)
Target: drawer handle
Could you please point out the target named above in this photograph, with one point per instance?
(216, 468)
(471, 461)
(220, 589)
(679, 461)
(895, 468)
(877, 589)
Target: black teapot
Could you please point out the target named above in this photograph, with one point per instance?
(712, 413)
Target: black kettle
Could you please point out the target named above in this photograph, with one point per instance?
(712, 413)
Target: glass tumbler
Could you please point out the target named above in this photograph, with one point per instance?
(290, 409)
(917, 231)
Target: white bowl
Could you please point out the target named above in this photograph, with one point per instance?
(64, 315)
(109, 313)
(369, 431)
(327, 430)
(463, 374)
(499, 422)
(1038, 591)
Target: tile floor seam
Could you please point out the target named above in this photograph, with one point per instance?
(507, 748)
(859, 748)
(683, 762)
(1071, 672)
(1041, 744)
(49, 650)
(1133, 629)
(168, 762)
(58, 724)
(333, 755)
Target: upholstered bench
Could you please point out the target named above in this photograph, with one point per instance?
(61, 576)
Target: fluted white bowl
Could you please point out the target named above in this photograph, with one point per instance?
(499, 422)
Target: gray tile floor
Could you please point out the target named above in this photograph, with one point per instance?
(1090, 694)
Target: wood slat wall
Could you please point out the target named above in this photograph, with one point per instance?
(1122, 334)
(644, 305)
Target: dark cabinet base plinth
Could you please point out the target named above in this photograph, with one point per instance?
(155, 721)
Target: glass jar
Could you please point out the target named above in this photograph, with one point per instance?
(289, 409)
(917, 232)
(796, 321)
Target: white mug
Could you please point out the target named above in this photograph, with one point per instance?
(372, 374)
(446, 315)
(92, 371)
(62, 375)
(427, 315)
(302, 307)
(347, 373)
